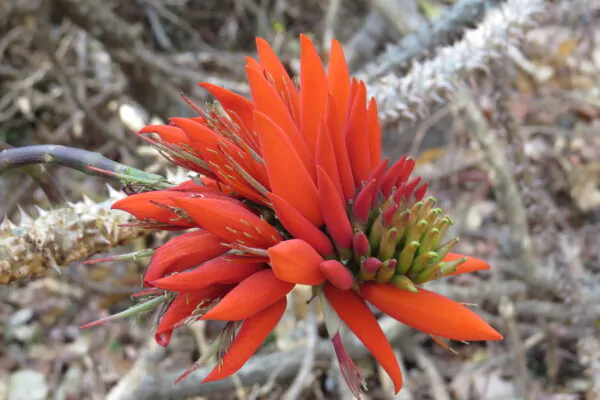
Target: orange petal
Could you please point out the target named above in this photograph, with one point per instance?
(254, 64)
(296, 261)
(374, 133)
(281, 79)
(182, 307)
(338, 141)
(357, 138)
(287, 174)
(228, 269)
(250, 337)
(168, 133)
(300, 227)
(334, 212)
(429, 312)
(326, 157)
(361, 321)
(250, 296)
(230, 220)
(269, 102)
(240, 109)
(183, 252)
(313, 92)
(471, 265)
(337, 274)
(338, 78)
(153, 206)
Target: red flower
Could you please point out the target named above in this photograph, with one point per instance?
(294, 191)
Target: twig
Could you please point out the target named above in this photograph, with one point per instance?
(521, 374)
(72, 95)
(505, 184)
(330, 20)
(303, 379)
(44, 180)
(78, 159)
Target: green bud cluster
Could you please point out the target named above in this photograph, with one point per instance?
(405, 244)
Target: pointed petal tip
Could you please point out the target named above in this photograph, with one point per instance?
(472, 264)
(429, 312)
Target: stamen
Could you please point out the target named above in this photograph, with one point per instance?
(352, 375)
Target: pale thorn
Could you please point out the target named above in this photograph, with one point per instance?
(88, 201)
(87, 218)
(114, 194)
(102, 240)
(25, 218)
(41, 211)
(7, 224)
(170, 174)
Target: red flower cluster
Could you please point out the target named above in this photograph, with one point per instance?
(293, 190)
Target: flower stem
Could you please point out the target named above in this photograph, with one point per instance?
(85, 161)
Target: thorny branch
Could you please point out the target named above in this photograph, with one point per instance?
(60, 237)
(447, 28)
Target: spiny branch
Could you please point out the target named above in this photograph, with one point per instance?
(435, 80)
(62, 236)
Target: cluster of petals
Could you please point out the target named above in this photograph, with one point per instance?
(284, 179)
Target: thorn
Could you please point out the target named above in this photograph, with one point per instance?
(112, 193)
(25, 219)
(7, 224)
(41, 211)
(87, 201)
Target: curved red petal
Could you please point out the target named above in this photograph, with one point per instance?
(183, 252)
(361, 321)
(230, 220)
(296, 261)
(325, 157)
(334, 212)
(338, 140)
(227, 269)
(250, 296)
(281, 79)
(337, 274)
(168, 133)
(239, 108)
(153, 206)
(429, 312)
(250, 337)
(338, 78)
(374, 131)
(471, 265)
(313, 92)
(287, 174)
(182, 307)
(357, 138)
(269, 103)
(300, 227)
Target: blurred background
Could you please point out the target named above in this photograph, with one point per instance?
(514, 158)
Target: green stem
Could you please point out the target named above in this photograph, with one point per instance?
(85, 161)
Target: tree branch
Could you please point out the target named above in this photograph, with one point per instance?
(60, 237)
(435, 80)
